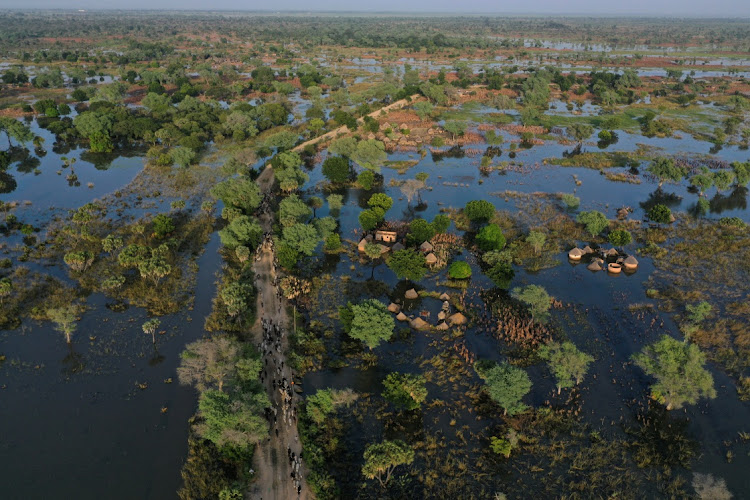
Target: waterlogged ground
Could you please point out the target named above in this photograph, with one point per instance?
(610, 317)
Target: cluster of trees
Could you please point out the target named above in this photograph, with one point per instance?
(230, 420)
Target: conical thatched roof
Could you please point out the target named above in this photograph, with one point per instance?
(457, 319)
(384, 249)
(430, 258)
(426, 247)
(442, 315)
(630, 262)
(446, 305)
(587, 249)
(411, 294)
(361, 246)
(402, 317)
(445, 296)
(419, 324)
(397, 246)
(594, 266)
(611, 253)
(442, 326)
(394, 308)
(575, 254)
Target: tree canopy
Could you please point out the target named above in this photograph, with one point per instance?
(371, 323)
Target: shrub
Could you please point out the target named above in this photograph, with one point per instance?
(620, 237)
(571, 201)
(459, 270)
(660, 214)
(732, 222)
(163, 225)
(594, 221)
(490, 237)
(79, 261)
(479, 210)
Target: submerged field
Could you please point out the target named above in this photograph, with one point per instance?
(142, 184)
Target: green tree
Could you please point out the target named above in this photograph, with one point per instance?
(580, 131)
(665, 169)
(370, 154)
(455, 127)
(162, 225)
(292, 210)
(594, 221)
(64, 319)
(336, 169)
(382, 458)
(537, 240)
(407, 264)
(240, 193)
(243, 230)
(741, 172)
(620, 237)
(678, 367)
(371, 323)
(660, 214)
(325, 401)
(366, 179)
(536, 297)
(237, 298)
(303, 238)
(346, 146)
(335, 202)
(420, 231)
(405, 390)
(150, 327)
(479, 210)
(568, 364)
(490, 237)
(232, 421)
(370, 218)
(441, 223)
(505, 384)
(182, 156)
(723, 179)
(380, 200)
(702, 181)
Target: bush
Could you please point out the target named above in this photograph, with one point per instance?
(571, 201)
(732, 222)
(459, 270)
(366, 179)
(594, 221)
(490, 237)
(336, 169)
(479, 210)
(333, 242)
(660, 213)
(620, 237)
(163, 225)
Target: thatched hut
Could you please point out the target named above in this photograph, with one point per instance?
(430, 259)
(394, 308)
(575, 254)
(411, 294)
(426, 247)
(384, 249)
(457, 319)
(419, 324)
(442, 315)
(630, 263)
(444, 296)
(402, 317)
(398, 246)
(442, 327)
(361, 245)
(595, 266)
(587, 250)
(611, 253)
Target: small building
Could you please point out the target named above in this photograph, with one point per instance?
(575, 254)
(402, 317)
(442, 327)
(457, 319)
(444, 296)
(362, 243)
(411, 294)
(386, 236)
(398, 246)
(630, 263)
(595, 265)
(394, 308)
(426, 247)
(419, 324)
(430, 259)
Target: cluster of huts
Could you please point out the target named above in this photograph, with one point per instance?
(385, 238)
(445, 318)
(602, 259)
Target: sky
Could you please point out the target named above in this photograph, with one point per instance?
(675, 8)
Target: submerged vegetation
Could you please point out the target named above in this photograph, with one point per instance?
(452, 322)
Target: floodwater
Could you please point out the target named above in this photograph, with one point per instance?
(604, 326)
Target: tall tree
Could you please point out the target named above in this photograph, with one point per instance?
(381, 459)
(568, 364)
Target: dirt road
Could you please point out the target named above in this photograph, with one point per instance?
(271, 460)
